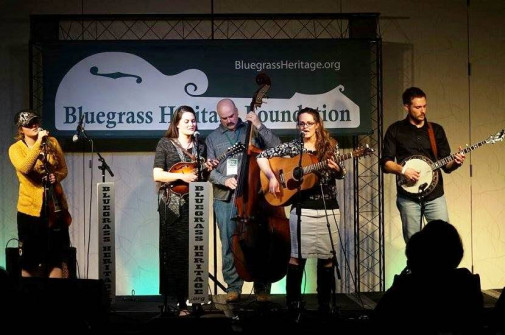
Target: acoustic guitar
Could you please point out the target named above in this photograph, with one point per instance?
(427, 169)
(283, 169)
(180, 187)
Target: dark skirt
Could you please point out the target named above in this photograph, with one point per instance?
(39, 245)
(173, 247)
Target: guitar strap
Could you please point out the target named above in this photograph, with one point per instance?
(433, 143)
(186, 152)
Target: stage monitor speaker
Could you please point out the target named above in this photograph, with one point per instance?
(72, 305)
(14, 269)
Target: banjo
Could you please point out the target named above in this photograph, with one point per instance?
(427, 169)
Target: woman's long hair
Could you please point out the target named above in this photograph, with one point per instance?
(19, 135)
(173, 131)
(325, 144)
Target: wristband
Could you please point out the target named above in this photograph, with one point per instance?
(404, 169)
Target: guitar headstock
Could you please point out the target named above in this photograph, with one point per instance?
(263, 80)
(363, 151)
(497, 137)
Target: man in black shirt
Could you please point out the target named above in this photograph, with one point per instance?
(409, 137)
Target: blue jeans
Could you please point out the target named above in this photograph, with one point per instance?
(224, 211)
(410, 213)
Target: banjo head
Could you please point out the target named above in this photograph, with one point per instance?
(428, 178)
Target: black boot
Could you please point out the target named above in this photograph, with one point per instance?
(325, 283)
(293, 290)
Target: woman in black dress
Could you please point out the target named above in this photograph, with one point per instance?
(177, 145)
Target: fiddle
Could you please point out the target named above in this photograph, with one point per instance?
(57, 214)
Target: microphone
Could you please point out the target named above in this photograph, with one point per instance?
(44, 139)
(196, 134)
(302, 135)
(77, 135)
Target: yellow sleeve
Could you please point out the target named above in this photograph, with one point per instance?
(24, 159)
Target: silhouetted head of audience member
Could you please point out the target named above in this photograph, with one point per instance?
(497, 319)
(436, 297)
(437, 247)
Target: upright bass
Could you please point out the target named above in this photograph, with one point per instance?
(261, 243)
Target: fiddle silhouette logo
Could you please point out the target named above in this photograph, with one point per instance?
(115, 75)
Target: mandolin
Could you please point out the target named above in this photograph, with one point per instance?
(180, 187)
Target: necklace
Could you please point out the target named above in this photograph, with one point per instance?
(186, 146)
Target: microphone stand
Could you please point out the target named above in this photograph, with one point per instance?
(334, 261)
(421, 202)
(198, 163)
(298, 176)
(47, 185)
(46, 181)
(103, 166)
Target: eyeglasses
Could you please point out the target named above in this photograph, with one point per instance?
(307, 124)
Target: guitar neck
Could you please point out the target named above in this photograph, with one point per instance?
(442, 162)
(323, 164)
(235, 149)
(222, 156)
(219, 159)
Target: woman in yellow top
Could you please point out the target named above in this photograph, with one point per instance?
(40, 166)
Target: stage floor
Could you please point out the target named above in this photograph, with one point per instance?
(143, 315)
(80, 306)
